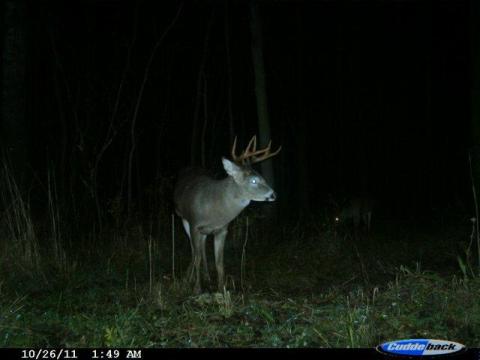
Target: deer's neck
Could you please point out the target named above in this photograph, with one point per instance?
(233, 196)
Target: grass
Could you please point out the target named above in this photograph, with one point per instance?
(298, 285)
(416, 304)
(313, 291)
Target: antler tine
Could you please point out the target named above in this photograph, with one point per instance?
(243, 157)
(253, 141)
(249, 155)
(234, 156)
(265, 154)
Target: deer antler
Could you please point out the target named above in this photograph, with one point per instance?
(249, 155)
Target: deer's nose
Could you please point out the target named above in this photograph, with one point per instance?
(272, 196)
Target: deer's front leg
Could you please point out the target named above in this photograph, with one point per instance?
(219, 246)
(198, 242)
(204, 258)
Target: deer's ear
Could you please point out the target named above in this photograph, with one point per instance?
(231, 168)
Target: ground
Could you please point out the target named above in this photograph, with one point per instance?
(302, 285)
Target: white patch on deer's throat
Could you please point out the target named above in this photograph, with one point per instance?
(244, 202)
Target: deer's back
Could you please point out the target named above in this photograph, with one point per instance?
(357, 208)
(188, 181)
(362, 204)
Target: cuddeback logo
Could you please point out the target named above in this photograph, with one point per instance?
(420, 347)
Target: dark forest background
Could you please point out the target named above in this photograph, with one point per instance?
(112, 97)
(104, 102)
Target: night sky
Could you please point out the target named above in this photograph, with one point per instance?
(363, 96)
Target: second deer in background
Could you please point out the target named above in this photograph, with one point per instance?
(356, 215)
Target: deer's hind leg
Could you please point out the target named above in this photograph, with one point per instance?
(190, 270)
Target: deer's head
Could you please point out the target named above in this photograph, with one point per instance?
(252, 185)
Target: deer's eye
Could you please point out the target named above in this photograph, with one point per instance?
(253, 181)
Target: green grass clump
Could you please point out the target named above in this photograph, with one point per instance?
(97, 310)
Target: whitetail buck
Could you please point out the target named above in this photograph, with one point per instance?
(356, 215)
(207, 206)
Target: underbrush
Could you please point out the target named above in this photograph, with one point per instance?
(290, 289)
(297, 284)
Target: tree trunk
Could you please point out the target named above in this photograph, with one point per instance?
(229, 77)
(475, 101)
(196, 134)
(14, 124)
(300, 131)
(260, 87)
